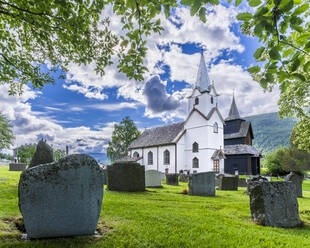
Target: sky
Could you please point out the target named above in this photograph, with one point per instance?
(80, 111)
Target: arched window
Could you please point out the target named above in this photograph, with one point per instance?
(135, 154)
(195, 147)
(150, 158)
(196, 101)
(212, 100)
(215, 128)
(195, 163)
(166, 157)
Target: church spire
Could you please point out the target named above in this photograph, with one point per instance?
(203, 82)
(233, 112)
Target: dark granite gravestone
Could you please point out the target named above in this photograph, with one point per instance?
(274, 204)
(172, 179)
(126, 176)
(242, 182)
(62, 198)
(202, 184)
(297, 180)
(17, 167)
(104, 176)
(43, 154)
(228, 182)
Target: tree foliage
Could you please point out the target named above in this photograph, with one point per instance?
(6, 133)
(26, 152)
(123, 134)
(273, 162)
(58, 153)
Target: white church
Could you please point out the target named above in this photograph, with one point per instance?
(195, 145)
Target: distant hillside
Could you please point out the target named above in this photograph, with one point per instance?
(270, 132)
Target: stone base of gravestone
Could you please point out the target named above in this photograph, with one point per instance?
(62, 198)
(172, 179)
(17, 166)
(297, 180)
(242, 182)
(228, 182)
(274, 204)
(183, 178)
(202, 184)
(126, 176)
(153, 179)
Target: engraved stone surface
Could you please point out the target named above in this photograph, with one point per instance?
(62, 198)
(153, 179)
(126, 176)
(274, 204)
(202, 184)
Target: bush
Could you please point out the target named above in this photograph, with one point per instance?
(274, 164)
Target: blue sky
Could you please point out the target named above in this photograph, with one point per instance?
(81, 109)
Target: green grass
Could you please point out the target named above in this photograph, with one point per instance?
(163, 218)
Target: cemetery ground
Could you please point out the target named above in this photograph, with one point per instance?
(162, 218)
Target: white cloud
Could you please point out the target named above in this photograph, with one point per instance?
(114, 106)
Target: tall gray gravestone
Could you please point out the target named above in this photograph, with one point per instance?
(228, 182)
(274, 204)
(172, 179)
(202, 184)
(297, 180)
(44, 154)
(153, 179)
(62, 198)
(126, 176)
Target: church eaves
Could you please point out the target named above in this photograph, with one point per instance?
(203, 82)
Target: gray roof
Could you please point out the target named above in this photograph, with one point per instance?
(218, 154)
(233, 112)
(158, 136)
(203, 82)
(127, 159)
(241, 149)
(243, 131)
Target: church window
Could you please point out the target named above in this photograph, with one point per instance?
(216, 165)
(195, 163)
(196, 101)
(212, 100)
(215, 128)
(195, 147)
(166, 157)
(150, 158)
(135, 154)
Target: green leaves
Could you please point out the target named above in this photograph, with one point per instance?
(254, 69)
(274, 54)
(244, 16)
(300, 10)
(254, 3)
(259, 53)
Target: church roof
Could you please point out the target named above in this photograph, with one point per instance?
(163, 135)
(243, 131)
(233, 112)
(203, 82)
(241, 149)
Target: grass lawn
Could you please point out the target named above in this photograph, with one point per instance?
(163, 218)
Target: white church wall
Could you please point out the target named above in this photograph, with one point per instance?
(139, 151)
(148, 166)
(171, 165)
(181, 163)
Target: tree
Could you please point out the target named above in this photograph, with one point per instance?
(58, 153)
(273, 162)
(26, 152)
(6, 133)
(123, 135)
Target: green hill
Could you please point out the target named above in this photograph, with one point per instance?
(271, 132)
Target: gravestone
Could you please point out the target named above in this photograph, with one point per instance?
(43, 154)
(153, 179)
(62, 198)
(228, 182)
(202, 184)
(17, 166)
(126, 176)
(104, 176)
(184, 177)
(274, 204)
(297, 180)
(172, 179)
(242, 182)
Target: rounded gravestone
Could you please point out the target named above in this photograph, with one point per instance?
(126, 176)
(297, 180)
(43, 154)
(62, 198)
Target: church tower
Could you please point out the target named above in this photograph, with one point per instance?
(204, 96)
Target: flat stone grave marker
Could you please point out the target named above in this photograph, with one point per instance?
(17, 166)
(297, 180)
(153, 179)
(202, 184)
(274, 204)
(62, 198)
(228, 182)
(126, 176)
(172, 179)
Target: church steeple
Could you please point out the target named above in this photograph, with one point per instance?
(233, 112)
(203, 82)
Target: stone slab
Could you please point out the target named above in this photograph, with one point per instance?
(297, 180)
(62, 198)
(274, 204)
(153, 179)
(242, 182)
(228, 182)
(202, 184)
(17, 166)
(126, 176)
(172, 179)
